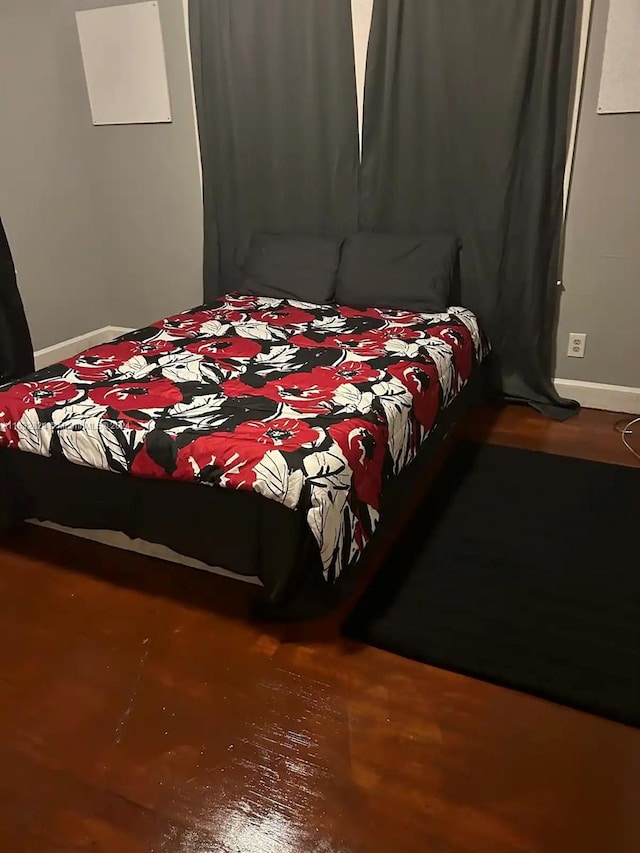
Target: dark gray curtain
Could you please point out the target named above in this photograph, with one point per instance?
(16, 350)
(277, 116)
(465, 122)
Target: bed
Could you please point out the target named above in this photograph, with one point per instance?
(254, 433)
(271, 432)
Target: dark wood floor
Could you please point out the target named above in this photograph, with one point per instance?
(142, 710)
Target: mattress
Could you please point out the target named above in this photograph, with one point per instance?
(312, 407)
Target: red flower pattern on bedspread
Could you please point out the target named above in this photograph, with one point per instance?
(226, 349)
(132, 396)
(313, 406)
(41, 395)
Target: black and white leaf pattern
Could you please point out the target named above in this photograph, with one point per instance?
(181, 367)
(216, 373)
(277, 359)
(349, 398)
(214, 329)
(77, 415)
(275, 480)
(33, 435)
(260, 331)
(408, 349)
(119, 443)
(83, 446)
(203, 414)
(311, 307)
(136, 367)
(471, 324)
(326, 521)
(205, 407)
(332, 325)
(396, 402)
(441, 353)
(329, 469)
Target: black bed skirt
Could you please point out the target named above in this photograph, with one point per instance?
(243, 532)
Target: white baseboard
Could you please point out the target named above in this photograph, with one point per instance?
(116, 331)
(72, 346)
(597, 395)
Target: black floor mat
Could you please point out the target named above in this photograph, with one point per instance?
(522, 569)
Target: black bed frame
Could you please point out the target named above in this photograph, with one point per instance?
(239, 531)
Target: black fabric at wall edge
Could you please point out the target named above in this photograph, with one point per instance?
(16, 349)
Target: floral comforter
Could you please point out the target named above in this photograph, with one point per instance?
(313, 406)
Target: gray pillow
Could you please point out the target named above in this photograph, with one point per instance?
(292, 267)
(412, 273)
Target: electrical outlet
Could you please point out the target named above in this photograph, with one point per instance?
(577, 343)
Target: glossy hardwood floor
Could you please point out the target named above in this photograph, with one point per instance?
(142, 710)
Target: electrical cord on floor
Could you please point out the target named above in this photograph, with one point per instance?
(625, 428)
(621, 424)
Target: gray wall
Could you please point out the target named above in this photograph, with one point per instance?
(47, 193)
(105, 223)
(151, 195)
(601, 272)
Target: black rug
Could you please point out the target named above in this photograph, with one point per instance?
(522, 569)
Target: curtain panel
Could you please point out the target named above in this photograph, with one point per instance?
(465, 130)
(277, 115)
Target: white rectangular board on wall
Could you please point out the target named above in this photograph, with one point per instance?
(620, 80)
(124, 64)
